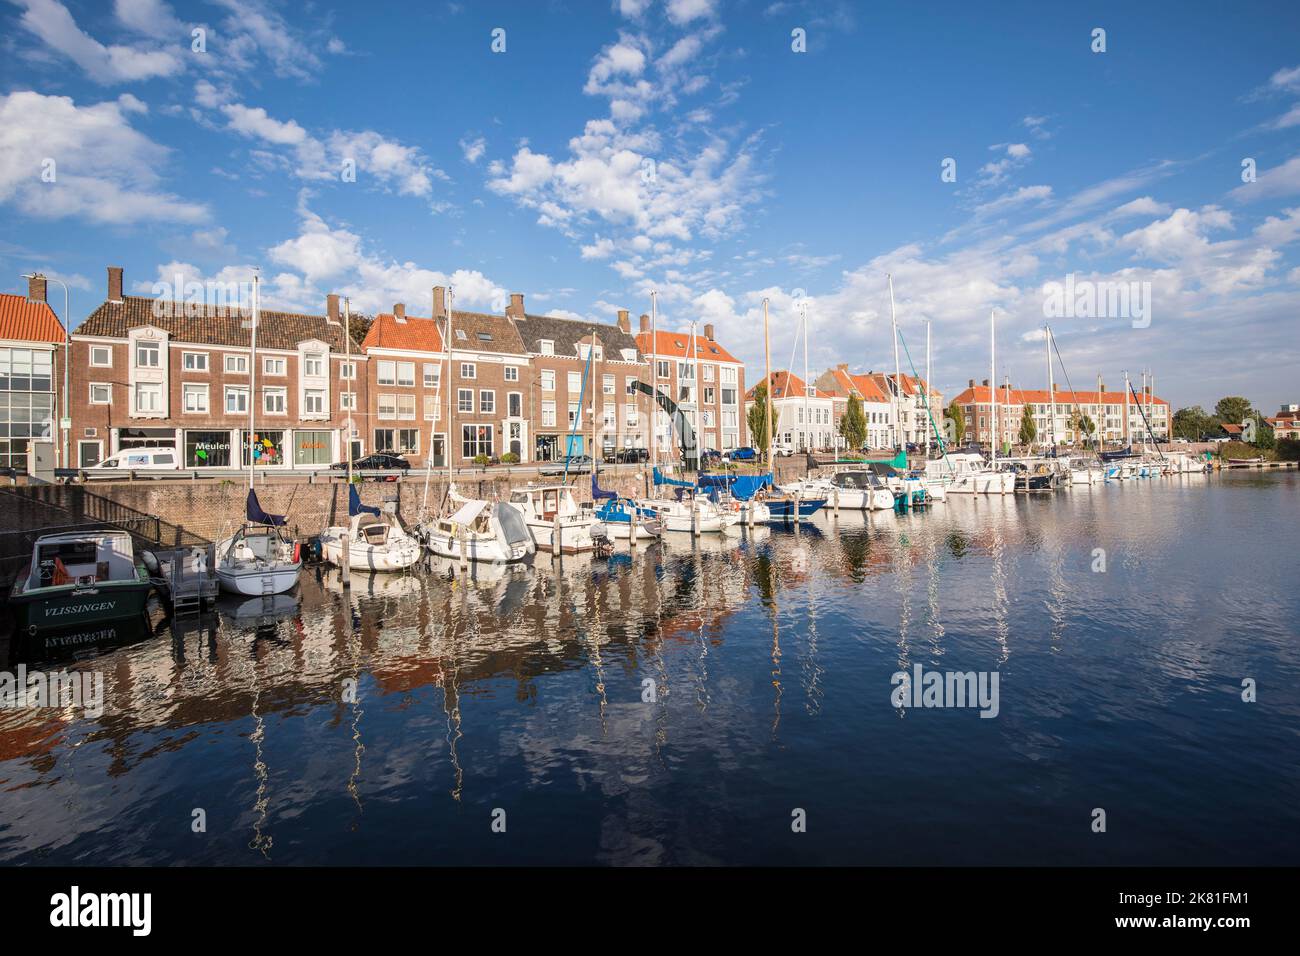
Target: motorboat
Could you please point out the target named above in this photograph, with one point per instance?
(555, 520)
(967, 473)
(78, 578)
(687, 510)
(375, 540)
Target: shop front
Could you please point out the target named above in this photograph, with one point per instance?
(208, 449)
(145, 438)
(313, 449)
(267, 448)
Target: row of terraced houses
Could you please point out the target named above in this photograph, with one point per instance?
(146, 372)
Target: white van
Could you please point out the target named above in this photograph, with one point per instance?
(135, 459)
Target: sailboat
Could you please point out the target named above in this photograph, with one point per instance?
(478, 530)
(258, 559)
(376, 541)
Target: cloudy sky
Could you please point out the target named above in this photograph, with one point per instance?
(604, 149)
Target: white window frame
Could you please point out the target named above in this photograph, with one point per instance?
(275, 391)
(108, 400)
(148, 348)
(187, 367)
(233, 358)
(107, 350)
(189, 388)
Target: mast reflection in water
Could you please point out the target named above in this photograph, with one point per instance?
(677, 705)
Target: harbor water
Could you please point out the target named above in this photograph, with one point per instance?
(729, 700)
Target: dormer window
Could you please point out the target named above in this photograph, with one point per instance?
(461, 336)
(546, 347)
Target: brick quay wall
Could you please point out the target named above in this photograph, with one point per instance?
(195, 511)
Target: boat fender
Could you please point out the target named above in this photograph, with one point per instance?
(297, 551)
(150, 561)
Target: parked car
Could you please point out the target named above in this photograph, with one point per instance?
(577, 465)
(380, 461)
(135, 459)
(632, 456)
(744, 453)
(711, 456)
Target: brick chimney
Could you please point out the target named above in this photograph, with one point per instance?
(624, 323)
(970, 383)
(986, 383)
(36, 288)
(708, 331)
(645, 322)
(439, 302)
(516, 307)
(332, 308)
(114, 283)
(399, 312)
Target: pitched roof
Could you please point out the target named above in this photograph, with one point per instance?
(787, 385)
(678, 345)
(416, 334)
(26, 321)
(979, 394)
(213, 325)
(1284, 421)
(485, 332)
(566, 334)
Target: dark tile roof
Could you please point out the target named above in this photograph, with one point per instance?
(212, 326)
(501, 334)
(567, 333)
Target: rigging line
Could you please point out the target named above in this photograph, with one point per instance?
(1142, 412)
(582, 395)
(1073, 397)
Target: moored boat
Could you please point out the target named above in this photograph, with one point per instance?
(78, 578)
(375, 540)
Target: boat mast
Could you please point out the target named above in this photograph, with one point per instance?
(807, 386)
(898, 385)
(347, 351)
(1051, 390)
(654, 382)
(695, 405)
(767, 377)
(1126, 411)
(252, 375)
(993, 390)
(926, 390)
(447, 444)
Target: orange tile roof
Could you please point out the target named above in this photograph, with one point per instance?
(868, 388)
(416, 334)
(25, 321)
(787, 385)
(678, 345)
(1039, 396)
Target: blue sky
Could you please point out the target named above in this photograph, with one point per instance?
(682, 145)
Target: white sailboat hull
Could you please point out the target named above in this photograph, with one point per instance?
(255, 582)
(392, 556)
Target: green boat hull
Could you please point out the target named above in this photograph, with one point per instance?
(58, 608)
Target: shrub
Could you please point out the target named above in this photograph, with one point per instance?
(482, 460)
(510, 458)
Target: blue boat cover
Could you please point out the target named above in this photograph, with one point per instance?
(742, 487)
(596, 492)
(257, 516)
(355, 507)
(661, 479)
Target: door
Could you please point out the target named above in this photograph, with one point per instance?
(89, 453)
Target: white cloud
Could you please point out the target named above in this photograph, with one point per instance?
(105, 171)
(684, 11)
(53, 24)
(473, 149)
(1281, 180)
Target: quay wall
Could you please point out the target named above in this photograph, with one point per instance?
(182, 512)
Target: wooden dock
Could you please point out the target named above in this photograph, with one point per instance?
(1260, 464)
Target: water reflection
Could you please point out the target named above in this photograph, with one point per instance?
(382, 722)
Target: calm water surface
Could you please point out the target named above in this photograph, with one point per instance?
(771, 654)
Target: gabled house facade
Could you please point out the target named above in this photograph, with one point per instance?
(877, 409)
(702, 377)
(150, 372)
(803, 416)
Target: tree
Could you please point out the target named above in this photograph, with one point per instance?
(958, 419)
(1084, 427)
(1191, 423)
(853, 426)
(1264, 437)
(1028, 430)
(756, 418)
(1233, 410)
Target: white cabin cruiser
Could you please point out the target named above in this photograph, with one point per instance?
(555, 520)
(967, 473)
(491, 532)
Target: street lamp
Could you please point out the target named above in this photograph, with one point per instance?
(64, 409)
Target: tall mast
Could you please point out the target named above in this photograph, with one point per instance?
(898, 385)
(807, 386)
(447, 444)
(252, 375)
(993, 389)
(694, 366)
(1051, 390)
(654, 381)
(767, 378)
(1126, 411)
(1099, 424)
(926, 392)
(347, 351)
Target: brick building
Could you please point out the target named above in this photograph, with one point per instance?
(877, 408)
(31, 375)
(716, 392)
(1106, 410)
(151, 372)
(803, 416)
